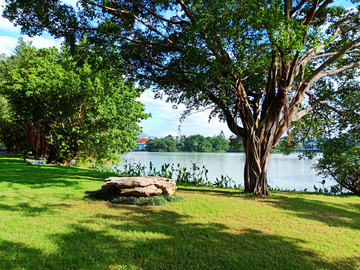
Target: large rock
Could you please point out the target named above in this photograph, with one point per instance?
(148, 191)
(140, 186)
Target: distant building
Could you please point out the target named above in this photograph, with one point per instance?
(141, 144)
(221, 135)
(176, 138)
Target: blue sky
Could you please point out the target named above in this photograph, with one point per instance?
(164, 119)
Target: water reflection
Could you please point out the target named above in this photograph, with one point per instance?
(287, 172)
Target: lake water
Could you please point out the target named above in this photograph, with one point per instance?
(287, 172)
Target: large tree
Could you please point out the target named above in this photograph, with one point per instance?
(68, 108)
(259, 65)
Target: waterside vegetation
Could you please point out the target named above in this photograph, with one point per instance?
(195, 143)
(48, 222)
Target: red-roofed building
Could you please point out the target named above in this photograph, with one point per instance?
(141, 144)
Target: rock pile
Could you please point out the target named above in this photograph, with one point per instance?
(139, 186)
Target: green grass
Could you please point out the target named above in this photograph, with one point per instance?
(48, 222)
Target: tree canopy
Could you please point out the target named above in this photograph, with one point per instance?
(341, 161)
(66, 108)
(258, 65)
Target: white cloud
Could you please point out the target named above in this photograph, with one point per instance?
(9, 35)
(41, 42)
(165, 120)
(148, 98)
(70, 2)
(7, 44)
(5, 24)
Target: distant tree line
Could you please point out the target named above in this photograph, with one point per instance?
(195, 143)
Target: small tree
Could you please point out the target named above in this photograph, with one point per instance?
(341, 161)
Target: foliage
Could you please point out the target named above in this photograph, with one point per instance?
(156, 200)
(236, 143)
(25, 148)
(218, 143)
(258, 65)
(167, 144)
(194, 143)
(197, 143)
(194, 176)
(10, 131)
(224, 182)
(341, 161)
(80, 108)
(5, 111)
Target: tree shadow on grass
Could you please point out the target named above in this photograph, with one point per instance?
(30, 211)
(224, 192)
(328, 213)
(145, 238)
(11, 158)
(354, 206)
(47, 176)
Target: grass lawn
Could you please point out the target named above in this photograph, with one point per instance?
(47, 222)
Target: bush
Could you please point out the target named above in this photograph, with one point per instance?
(341, 161)
(115, 198)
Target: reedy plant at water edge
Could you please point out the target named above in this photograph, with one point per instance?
(194, 175)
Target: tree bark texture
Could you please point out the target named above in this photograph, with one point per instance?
(256, 164)
(260, 133)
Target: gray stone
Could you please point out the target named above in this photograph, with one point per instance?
(148, 191)
(141, 186)
(36, 162)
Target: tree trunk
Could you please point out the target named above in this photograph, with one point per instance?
(52, 154)
(9, 148)
(256, 164)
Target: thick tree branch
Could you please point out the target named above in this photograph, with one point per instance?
(302, 113)
(157, 16)
(333, 71)
(343, 90)
(124, 11)
(310, 16)
(323, 55)
(321, 8)
(334, 53)
(189, 13)
(321, 103)
(229, 118)
(310, 54)
(288, 8)
(170, 47)
(298, 7)
(318, 73)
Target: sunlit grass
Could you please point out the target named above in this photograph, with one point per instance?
(48, 222)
